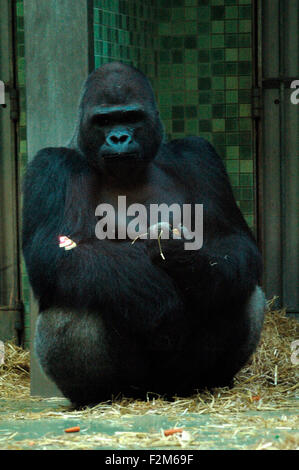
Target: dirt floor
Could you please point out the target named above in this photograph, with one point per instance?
(259, 412)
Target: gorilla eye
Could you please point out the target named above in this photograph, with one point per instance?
(100, 120)
(133, 117)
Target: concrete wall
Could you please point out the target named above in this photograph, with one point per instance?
(58, 57)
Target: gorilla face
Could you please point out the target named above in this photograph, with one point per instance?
(120, 128)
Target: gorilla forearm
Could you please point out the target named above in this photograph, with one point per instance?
(227, 268)
(90, 277)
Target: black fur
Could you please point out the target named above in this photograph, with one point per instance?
(115, 317)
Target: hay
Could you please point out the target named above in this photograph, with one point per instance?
(268, 383)
(15, 373)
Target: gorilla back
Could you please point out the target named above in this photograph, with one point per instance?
(118, 317)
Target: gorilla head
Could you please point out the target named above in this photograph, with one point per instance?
(119, 126)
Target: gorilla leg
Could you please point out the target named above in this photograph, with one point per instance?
(87, 361)
(231, 347)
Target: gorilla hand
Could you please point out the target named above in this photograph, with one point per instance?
(164, 243)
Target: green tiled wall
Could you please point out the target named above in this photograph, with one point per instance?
(197, 54)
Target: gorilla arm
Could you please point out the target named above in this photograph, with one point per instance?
(113, 278)
(228, 267)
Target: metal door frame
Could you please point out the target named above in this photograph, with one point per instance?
(11, 314)
(271, 92)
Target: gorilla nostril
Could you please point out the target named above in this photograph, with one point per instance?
(121, 138)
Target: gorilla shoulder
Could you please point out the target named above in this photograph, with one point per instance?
(194, 150)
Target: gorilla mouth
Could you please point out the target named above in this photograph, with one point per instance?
(120, 156)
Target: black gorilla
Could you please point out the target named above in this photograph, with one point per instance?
(122, 317)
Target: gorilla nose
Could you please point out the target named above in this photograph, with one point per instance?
(119, 139)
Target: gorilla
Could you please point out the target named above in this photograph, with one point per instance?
(122, 317)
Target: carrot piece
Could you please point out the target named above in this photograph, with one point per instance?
(73, 429)
(169, 432)
(256, 398)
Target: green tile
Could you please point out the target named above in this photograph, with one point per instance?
(191, 70)
(231, 83)
(204, 125)
(204, 97)
(217, 40)
(246, 179)
(231, 12)
(191, 126)
(231, 54)
(218, 111)
(245, 26)
(245, 82)
(218, 125)
(245, 124)
(218, 97)
(246, 207)
(178, 97)
(231, 68)
(178, 126)
(191, 97)
(244, 40)
(204, 28)
(246, 194)
(232, 152)
(203, 41)
(231, 26)
(191, 14)
(232, 166)
(234, 179)
(218, 83)
(246, 166)
(177, 14)
(177, 57)
(217, 55)
(204, 70)
(232, 125)
(204, 83)
(245, 68)
(204, 111)
(232, 138)
(204, 55)
(191, 112)
(190, 42)
(217, 12)
(231, 40)
(178, 112)
(245, 12)
(245, 110)
(245, 152)
(204, 13)
(217, 27)
(245, 53)
(219, 139)
(191, 83)
(190, 56)
(218, 69)
(245, 96)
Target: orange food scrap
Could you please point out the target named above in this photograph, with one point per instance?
(73, 429)
(256, 398)
(170, 432)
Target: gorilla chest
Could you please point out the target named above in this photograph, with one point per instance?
(130, 213)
